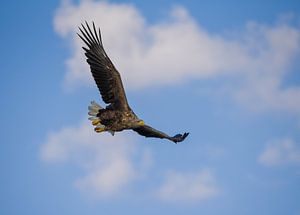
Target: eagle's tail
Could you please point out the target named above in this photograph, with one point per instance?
(94, 109)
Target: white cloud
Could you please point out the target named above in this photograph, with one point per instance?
(178, 49)
(108, 162)
(184, 187)
(110, 165)
(280, 152)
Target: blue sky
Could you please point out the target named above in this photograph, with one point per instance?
(226, 71)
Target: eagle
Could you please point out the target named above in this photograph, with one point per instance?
(117, 115)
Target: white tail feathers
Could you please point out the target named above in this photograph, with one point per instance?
(94, 109)
(92, 118)
(95, 104)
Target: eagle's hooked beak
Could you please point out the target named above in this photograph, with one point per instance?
(141, 123)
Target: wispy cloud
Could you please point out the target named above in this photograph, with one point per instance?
(178, 49)
(280, 152)
(186, 187)
(108, 162)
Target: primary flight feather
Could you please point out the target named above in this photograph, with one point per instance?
(117, 115)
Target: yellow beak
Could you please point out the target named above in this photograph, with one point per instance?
(141, 123)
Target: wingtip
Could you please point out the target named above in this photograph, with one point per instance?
(180, 137)
(186, 134)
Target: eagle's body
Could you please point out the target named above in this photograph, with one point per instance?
(117, 116)
(115, 120)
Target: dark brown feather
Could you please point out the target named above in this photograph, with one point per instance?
(148, 131)
(106, 76)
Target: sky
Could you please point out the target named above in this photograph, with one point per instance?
(225, 71)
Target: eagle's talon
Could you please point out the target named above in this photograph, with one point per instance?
(96, 122)
(99, 129)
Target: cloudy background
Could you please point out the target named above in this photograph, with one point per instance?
(226, 71)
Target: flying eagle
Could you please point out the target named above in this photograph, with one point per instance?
(117, 116)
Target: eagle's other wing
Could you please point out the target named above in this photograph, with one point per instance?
(107, 77)
(148, 131)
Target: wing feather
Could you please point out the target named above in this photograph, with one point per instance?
(148, 131)
(107, 78)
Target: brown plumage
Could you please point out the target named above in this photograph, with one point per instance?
(117, 116)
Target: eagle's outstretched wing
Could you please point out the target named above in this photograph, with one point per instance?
(148, 131)
(107, 78)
